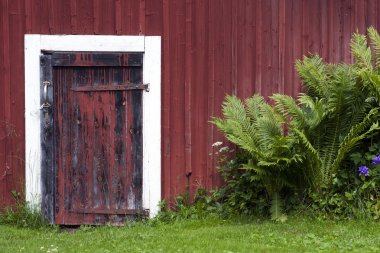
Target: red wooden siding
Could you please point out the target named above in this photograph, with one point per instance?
(209, 48)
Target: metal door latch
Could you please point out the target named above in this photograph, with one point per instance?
(46, 104)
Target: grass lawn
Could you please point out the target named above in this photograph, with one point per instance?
(211, 235)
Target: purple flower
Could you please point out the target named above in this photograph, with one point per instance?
(376, 160)
(363, 170)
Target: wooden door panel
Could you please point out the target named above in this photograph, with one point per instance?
(98, 144)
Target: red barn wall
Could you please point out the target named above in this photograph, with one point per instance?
(209, 48)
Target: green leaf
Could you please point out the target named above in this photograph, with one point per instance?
(348, 195)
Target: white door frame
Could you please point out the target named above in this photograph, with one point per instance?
(151, 47)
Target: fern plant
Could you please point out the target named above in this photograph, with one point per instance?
(258, 128)
(339, 109)
(326, 134)
(349, 95)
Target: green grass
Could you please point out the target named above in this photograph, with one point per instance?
(211, 235)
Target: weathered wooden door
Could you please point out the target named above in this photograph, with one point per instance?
(92, 137)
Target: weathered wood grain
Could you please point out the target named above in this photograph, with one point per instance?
(99, 150)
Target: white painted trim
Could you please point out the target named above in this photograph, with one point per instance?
(151, 47)
(152, 123)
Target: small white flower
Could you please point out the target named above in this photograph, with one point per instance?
(223, 149)
(42, 247)
(216, 144)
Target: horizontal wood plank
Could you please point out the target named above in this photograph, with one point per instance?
(123, 87)
(111, 211)
(97, 59)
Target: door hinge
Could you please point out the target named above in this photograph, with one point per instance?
(146, 87)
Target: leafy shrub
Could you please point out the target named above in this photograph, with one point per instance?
(353, 193)
(204, 205)
(21, 214)
(305, 142)
(241, 193)
(274, 155)
(364, 191)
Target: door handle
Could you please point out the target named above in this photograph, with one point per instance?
(45, 84)
(46, 103)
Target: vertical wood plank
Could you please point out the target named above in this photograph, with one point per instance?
(85, 17)
(210, 86)
(52, 29)
(281, 46)
(360, 17)
(246, 48)
(61, 13)
(324, 29)
(154, 18)
(136, 149)
(142, 17)
(218, 89)
(234, 40)
(188, 86)
(259, 49)
(9, 126)
(97, 20)
(339, 39)
(40, 17)
(106, 14)
(3, 198)
(47, 171)
(274, 85)
(305, 28)
(267, 49)
(175, 88)
(288, 50)
(371, 13)
(199, 96)
(208, 161)
(73, 16)
(179, 89)
(166, 95)
(314, 12)
(346, 31)
(17, 153)
(296, 41)
(28, 15)
(117, 15)
(126, 9)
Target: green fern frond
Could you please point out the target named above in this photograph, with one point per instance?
(315, 109)
(360, 51)
(253, 105)
(267, 129)
(372, 82)
(375, 43)
(356, 134)
(287, 106)
(312, 71)
(236, 126)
